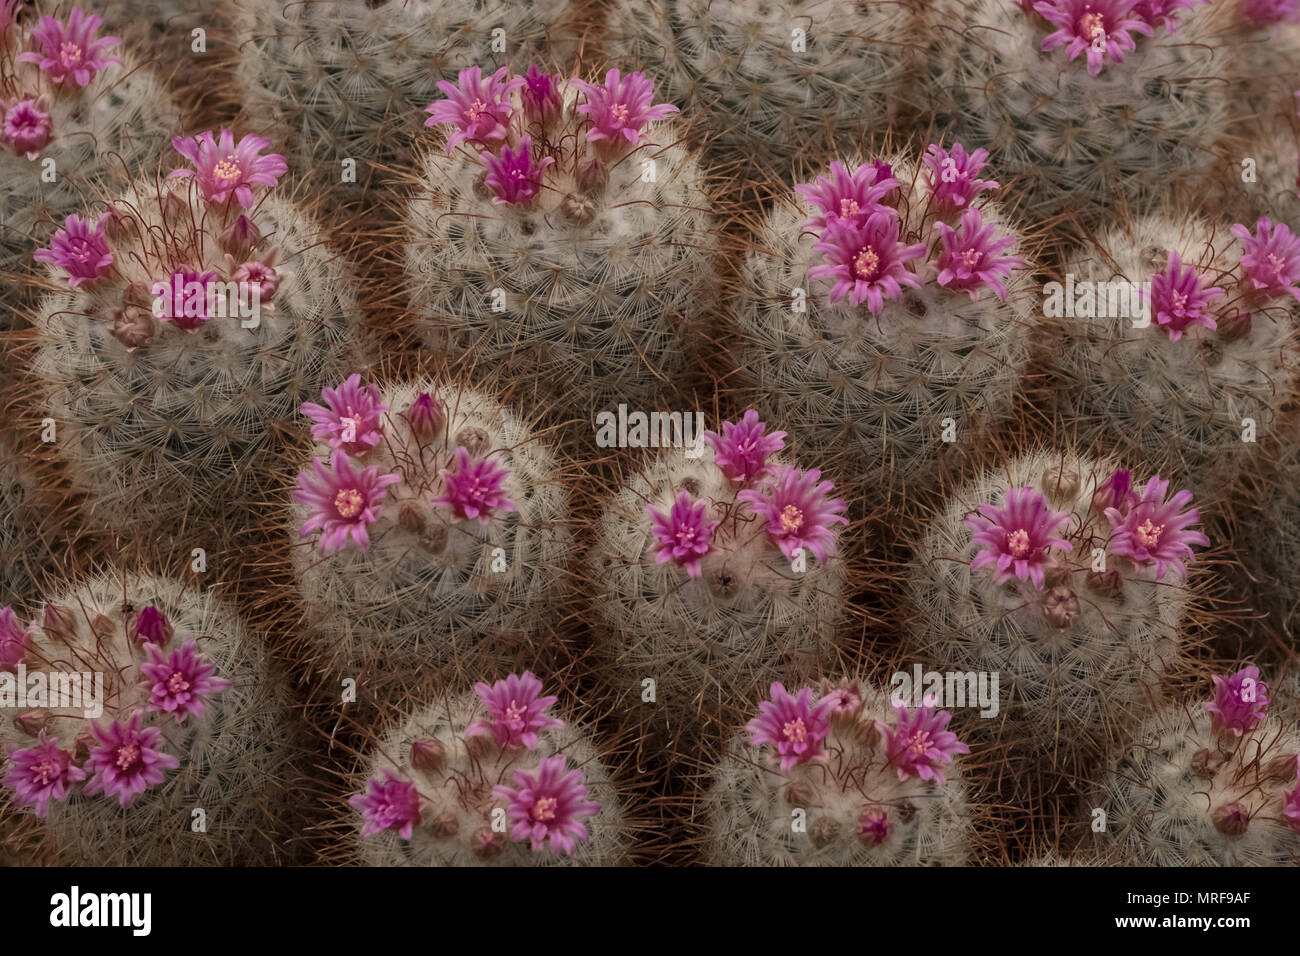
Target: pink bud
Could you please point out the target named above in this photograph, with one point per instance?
(486, 844)
(240, 238)
(133, 327)
(428, 755)
(425, 416)
(1231, 819)
(59, 622)
(152, 627)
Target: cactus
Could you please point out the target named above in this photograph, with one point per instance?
(765, 80)
(445, 766)
(589, 274)
(850, 799)
(155, 412)
(214, 765)
(1081, 134)
(343, 77)
(708, 626)
(1190, 791)
(1213, 368)
(17, 543)
(1081, 613)
(934, 363)
(435, 584)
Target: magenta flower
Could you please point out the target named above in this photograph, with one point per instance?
(1116, 492)
(621, 107)
(478, 106)
(262, 276)
(15, 640)
(1270, 258)
(851, 196)
(1099, 26)
(353, 421)
(389, 803)
(742, 449)
(548, 806)
(70, 49)
(1240, 701)
(798, 513)
(223, 168)
(425, 416)
(844, 703)
(1163, 12)
(187, 298)
(954, 176)
(1154, 532)
(516, 709)
(27, 127)
(970, 259)
(866, 260)
(1015, 537)
(920, 743)
(1179, 299)
(40, 774)
(513, 176)
(1266, 13)
(476, 489)
(684, 534)
(873, 827)
(344, 501)
(152, 626)
(540, 94)
(181, 680)
(126, 760)
(795, 725)
(79, 249)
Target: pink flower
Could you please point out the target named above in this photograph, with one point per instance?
(1270, 261)
(621, 107)
(920, 743)
(1163, 12)
(795, 725)
(548, 805)
(478, 106)
(260, 276)
(127, 761)
(476, 489)
(1015, 537)
(1099, 26)
(953, 176)
(1116, 492)
(79, 249)
(1265, 13)
(513, 176)
(40, 774)
(873, 827)
(1240, 701)
(851, 196)
(969, 258)
(516, 709)
(353, 421)
(541, 95)
(866, 260)
(181, 680)
(223, 168)
(797, 510)
(185, 298)
(27, 127)
(15, 640)
(344, 501)
(388, 804)
(1154, 532)
(843, 703)
(1179, 299)
(684, 534)
(152, 626)
(741, 452)
(70, 49)
(425, 416)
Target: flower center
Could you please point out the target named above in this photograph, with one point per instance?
(971, 257)
(1148, 535)
(848, 208)
(70, 54)
(544, 809)
(619, 112)
(1275, 263)
(791, 519)
(794, 731)
(45, 773)
(177, 684)
(127, 756)
(348, 502)
(919, 743)
(1091, 25)
(866, 264)
(685, 535)
(1178, 303)
(80, 250)
(476, 111)
(514, 716)
(1018, 543)
(351, 425)
(228, 169)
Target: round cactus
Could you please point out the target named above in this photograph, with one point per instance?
(488, 779)
(1216, 363)
(173, 363)
(1059, 575)
(767, 79)
(577, 255)
(889, 377)
(839, 782)
(1208, 788)
(1086, 104)
(176, 759)
(17, 506)
(458, 551)
(717, 572)
(347, 79)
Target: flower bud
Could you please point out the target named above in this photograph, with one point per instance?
(428, 755)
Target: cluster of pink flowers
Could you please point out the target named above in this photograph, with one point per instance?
(793, 504)
(547, 804)
(498, 115)
(124, 758)
(860, 233)
(346, 496)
